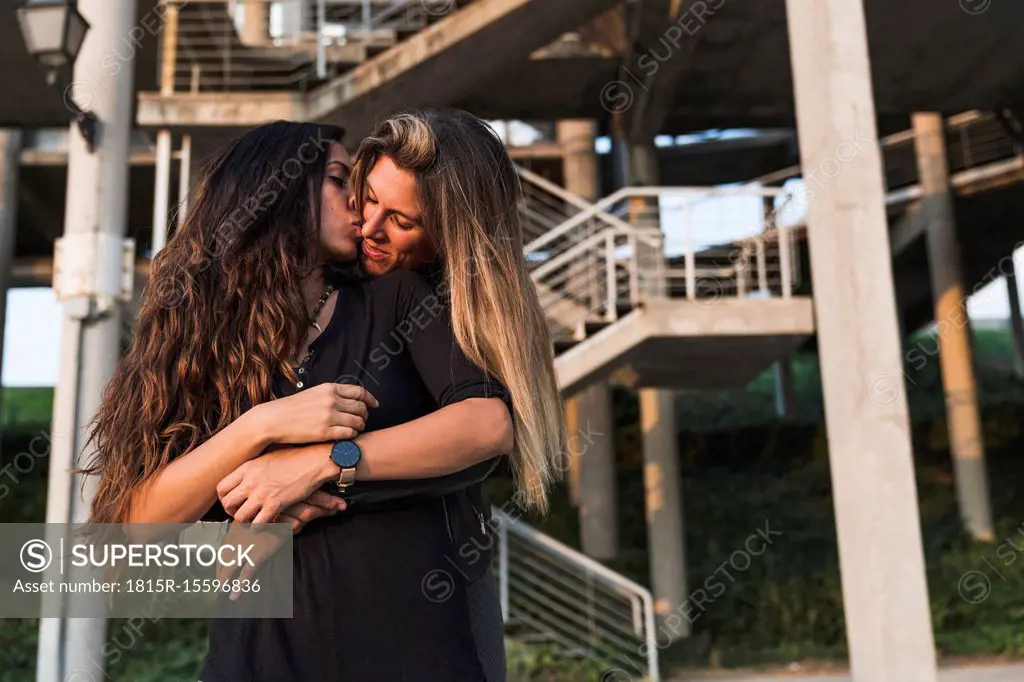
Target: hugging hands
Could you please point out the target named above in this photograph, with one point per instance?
(283, 484)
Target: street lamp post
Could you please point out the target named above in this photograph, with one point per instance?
(93, 268)
(54, 31)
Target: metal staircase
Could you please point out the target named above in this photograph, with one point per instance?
(596, 263)
(588, 609)
(986, 163)
(282, 45)
(343, 61)
(600, 267)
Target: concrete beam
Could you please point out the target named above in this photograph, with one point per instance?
(669, 320)
(10, 148)
(966, 442)
(434, 67)
(664, 63)
(663, 505)
(592, 446)
(885, 595)
(1016, 321)
(213, 109)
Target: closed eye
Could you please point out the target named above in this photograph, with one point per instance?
(404, 226)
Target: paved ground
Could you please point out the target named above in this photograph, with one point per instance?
(994, 673)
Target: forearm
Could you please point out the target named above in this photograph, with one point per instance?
(187, 487)
(444, 442)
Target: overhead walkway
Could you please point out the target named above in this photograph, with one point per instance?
(459, 46)
(986, 162)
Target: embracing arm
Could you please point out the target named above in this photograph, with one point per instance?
(428, 457)
(474, 422)
(444, 451)
(185, 489)
(458, 436)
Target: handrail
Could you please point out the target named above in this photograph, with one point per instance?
(314, 40)
(592, 211)
(594, 240)
(954, 122)
(598, 209)
(592, 265)
(642, 619)
(550, 187)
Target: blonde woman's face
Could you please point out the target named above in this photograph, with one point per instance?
(392, 222)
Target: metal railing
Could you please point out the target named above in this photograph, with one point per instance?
(568, 597)
(290, 45)
(973, 139)
(593, 262)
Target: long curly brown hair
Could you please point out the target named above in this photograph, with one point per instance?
(222, 312)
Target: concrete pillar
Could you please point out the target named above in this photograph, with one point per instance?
(184, 178)
(592, 447)
(666, 538)
(579, 157)
(785, 392)
(666, 541)
(97, 201)
(293, 16)
(10, 165)
(162, 168)
(162, 190)
(643, 164)
(572, 425)
(255, 22)
(966, 442)
(580, 176)
(878, 526)
(1016, 321)
(620, 151)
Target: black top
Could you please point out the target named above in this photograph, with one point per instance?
(379, 588)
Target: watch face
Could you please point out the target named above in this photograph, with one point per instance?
(346, 454)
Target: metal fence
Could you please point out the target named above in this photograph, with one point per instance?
(552, 589)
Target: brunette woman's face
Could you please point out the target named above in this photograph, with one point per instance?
(392, 222)
(339, 225)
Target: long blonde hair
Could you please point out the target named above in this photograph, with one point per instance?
(469, 194)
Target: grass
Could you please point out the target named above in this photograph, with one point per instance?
(21, 406)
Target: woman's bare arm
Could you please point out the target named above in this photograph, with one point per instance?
(186, 488)
(449, 440)
(443, 442)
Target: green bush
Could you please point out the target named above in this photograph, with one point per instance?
(546, 663)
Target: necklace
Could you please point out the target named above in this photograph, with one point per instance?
(319, 307)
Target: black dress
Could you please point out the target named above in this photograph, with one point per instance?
(379, 589)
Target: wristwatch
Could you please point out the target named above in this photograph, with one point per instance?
(346, 454)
